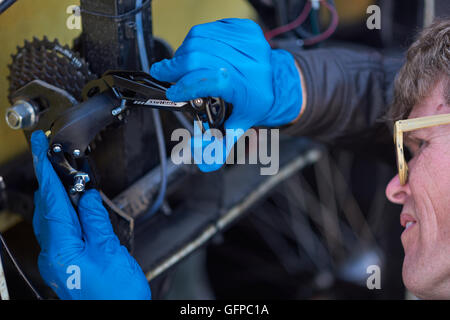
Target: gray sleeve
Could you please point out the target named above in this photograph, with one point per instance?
(348, 93)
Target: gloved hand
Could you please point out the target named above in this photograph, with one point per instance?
(231, 59)
(83, 245)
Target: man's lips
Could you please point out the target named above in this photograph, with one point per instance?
(407, 220)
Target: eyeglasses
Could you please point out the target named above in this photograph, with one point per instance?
(411, 125)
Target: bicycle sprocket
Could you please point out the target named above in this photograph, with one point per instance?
(51, 62)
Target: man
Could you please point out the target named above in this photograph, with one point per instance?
(334, 95)
(423, 89)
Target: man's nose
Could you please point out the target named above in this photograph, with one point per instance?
(397, 193)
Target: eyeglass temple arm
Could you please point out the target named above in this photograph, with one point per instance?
(423, 122)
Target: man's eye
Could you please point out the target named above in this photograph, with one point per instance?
(414, 149)
(421, 144)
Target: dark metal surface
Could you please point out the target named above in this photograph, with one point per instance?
(122, 154)
(78, 126)
(52, 102)
(106, 42)
(72, 130)
(51, 62)
(139, 89)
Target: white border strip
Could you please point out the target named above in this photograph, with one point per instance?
(4, 294)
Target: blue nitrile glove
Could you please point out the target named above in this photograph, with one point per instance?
(231, 59)
(81, 257)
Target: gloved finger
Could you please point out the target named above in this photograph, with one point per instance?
(223, 32)
(171, 70)
(38, 207)
(57, 218)
(202, 144)
(202, 83)
(239, 120)
(226, 50)
(226, 28)
(211, 152)
(235, 128)
(97, 228)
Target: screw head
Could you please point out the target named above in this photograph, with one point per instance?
(57, 148)
(13, 119)
(79, 187)
(22, 115)
(76, 153)
(80, 181)
(198, 102)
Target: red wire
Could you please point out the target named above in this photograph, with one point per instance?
(294, 24)
(301, 18)
(327, 33)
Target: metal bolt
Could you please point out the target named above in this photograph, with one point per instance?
(80, 181)
(13, 119)
(76, 153)
(116, 111)
(79, 185)
(198, 102)
(22, 115)
(57, 148)
(119, 109)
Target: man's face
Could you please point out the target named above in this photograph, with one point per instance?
(426, 203)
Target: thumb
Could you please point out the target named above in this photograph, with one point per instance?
(203, 83)
(95, 223)
(55, 220)
(211, 152)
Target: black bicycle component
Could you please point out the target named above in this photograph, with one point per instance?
(105, 102)
(51, 62)
(51, 102)
(75, 129)
(119, 17)
(138, 88)
(51, 78)
(52, 105)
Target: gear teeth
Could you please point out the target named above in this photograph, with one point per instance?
(50, 62)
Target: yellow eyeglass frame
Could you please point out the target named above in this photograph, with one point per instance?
(411, 125)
